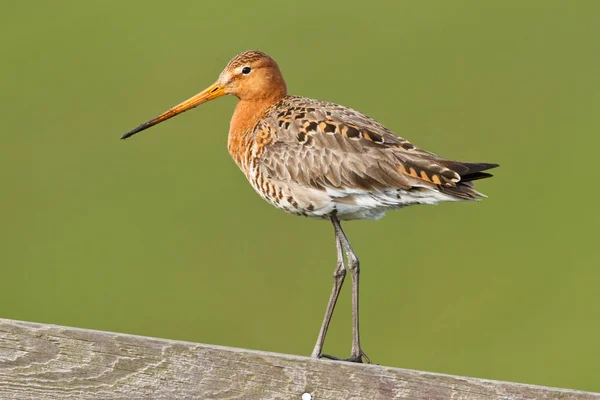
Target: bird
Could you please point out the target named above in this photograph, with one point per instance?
(325, 161)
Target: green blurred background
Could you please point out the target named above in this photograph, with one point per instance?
(161, 235)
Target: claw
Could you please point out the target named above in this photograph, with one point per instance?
(356, 358)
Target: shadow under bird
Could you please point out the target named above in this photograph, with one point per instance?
(322, 160)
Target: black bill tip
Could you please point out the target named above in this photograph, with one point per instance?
(140, 128)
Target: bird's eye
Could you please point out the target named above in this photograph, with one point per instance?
(246, 70)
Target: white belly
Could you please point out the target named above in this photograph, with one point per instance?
(355, 204)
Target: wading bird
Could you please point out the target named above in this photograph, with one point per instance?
(322, 160)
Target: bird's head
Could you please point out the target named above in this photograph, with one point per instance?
(251, 76)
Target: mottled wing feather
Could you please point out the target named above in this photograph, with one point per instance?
(328, 146)
(330, 162)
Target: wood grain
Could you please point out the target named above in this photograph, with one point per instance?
(40, 361)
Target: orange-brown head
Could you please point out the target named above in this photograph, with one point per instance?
(250, 76)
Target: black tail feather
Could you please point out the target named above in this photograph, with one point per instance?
(468, 172)
(475, 176)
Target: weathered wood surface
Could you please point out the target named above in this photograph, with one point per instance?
(53, 362)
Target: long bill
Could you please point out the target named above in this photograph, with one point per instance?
(210, 93)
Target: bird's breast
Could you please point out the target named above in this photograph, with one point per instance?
(239, 145)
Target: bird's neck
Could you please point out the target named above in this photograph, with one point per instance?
(246, 116)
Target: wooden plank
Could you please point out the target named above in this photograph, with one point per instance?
(40, 361)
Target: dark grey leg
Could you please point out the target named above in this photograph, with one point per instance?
(354, 267)
(338, 280)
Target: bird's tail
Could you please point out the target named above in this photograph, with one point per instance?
(468, 172)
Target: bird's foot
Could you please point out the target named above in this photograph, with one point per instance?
(357, 358)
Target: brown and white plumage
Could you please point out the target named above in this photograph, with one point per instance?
(324, 160)
(328, 158)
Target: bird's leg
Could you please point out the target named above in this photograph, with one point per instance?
(354, 267)
(338, 279)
